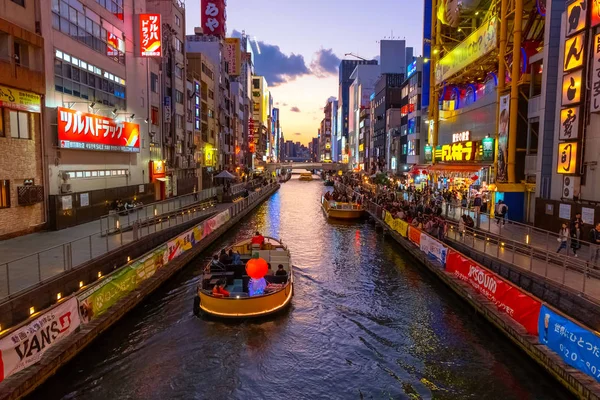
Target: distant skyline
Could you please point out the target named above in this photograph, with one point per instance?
(301, 44)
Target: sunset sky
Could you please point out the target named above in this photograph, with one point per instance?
(302, 42)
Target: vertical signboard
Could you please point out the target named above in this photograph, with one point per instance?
(150, 35)
(595, 96)
(233, 55)
(503, 118)
(213, 17)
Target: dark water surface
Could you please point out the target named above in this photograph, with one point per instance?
(367, 321)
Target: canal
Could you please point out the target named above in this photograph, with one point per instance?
(367, 322)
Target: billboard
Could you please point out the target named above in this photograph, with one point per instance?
(150, 35)
(233, 55)
(18, 99)
(214, 17)
(84, 131)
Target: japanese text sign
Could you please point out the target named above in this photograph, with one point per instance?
(574, 52)
(456, 152)
(595, 95)
(519, 306)
(434, 249)
(233, 55)
(576, 13)
(567, 158)
(571, 87)
(569, 123)
(595, 13)
(19, 99)
(214, 17)
(150, 35)
(77, 130)
(577, 346)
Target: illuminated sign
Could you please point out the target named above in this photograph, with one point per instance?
(595, 13)
(213, 17)
(113, 44)
(83, 131)
(361, 147)
(595, 95)
(428, 152)
(150, 35)
(411, 69)
(574, 52)
(209, 155)
(157, 169)
(576, 13)
(461, 136)
(569, 123)
(470, 151)
(19, 99)
(478, 44)
(571, 88)
(567, 158)
(233, 55)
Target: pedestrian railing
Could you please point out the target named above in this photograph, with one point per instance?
(116, 221)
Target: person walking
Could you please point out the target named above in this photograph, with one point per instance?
(461, 225)
(501, 210)
(477, 204)
(575, 232)
(595, 244)
(563, 237)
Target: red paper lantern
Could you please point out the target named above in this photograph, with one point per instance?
(256, 268)
(474, 178)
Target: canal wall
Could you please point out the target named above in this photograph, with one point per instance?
(494, 298)
(103, 304)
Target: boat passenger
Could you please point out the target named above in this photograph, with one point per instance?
(224, 258)
(219, 289)
(280, 271)
(215, 261)
(258, 239)
(235, 257)
(270, 271)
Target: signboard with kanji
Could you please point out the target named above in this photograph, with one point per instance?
(213, 17)
(84, 131)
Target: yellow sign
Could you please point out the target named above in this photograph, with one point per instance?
(574, 52)
(361, 147)
(567, 158)
(576, 13)
(571, 88)
(478, 44)
(456, 152)
(19, 99)
(209, 156)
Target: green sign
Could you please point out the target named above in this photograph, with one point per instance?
(428, 153)
(487, 145)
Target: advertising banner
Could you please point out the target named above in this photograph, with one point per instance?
(595, 97)
(185, 241)
(478, 44)
(414, 235)
(233, 55)
(150, 35)
(21, 100)
(503, 119)
(577, 346)
(521, 307)
(434, 249)
(27, 345)
(101, 297)
(213, 17)
(401, 227)
(84, 131)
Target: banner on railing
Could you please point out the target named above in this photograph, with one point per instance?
(26, 345)
(185, 241)
(401, 227)
(577, 346)
(518, 305)
(434, 249)
(414, 235)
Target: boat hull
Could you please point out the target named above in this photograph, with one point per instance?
(246, 307)
(342, 213)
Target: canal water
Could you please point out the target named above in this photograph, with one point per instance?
(367, 322)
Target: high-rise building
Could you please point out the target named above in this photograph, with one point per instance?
(22, 85)
(261, 117)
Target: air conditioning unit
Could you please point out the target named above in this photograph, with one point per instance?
(571, 186)
(65, 188)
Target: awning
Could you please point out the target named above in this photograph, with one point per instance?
(161, 179)
(457, 167)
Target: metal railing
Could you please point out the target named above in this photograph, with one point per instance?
(116, 221)
(27, 271)
(253, 197)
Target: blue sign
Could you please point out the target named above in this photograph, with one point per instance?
(577, 346)
(411, 69)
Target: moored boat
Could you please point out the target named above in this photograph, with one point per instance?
(242, 289)
(341, 210)
(306, 176)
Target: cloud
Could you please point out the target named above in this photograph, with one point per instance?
(298, 134)
(295, 109)
(274, 65)
(324, 63)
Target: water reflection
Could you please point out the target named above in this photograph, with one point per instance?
(366, 321)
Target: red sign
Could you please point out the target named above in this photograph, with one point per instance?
(150, 35)
(157, 169)
(113, 44)
(519, 306)
(214, 17)
(83, 131)
(595, 13)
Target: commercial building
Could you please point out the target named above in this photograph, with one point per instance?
(333, 104)
(387, 95)
(325, 134)
(363, 85)
(22, 132)
(261, 118)
(97, 143)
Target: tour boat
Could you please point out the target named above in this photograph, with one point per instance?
(306, 176)
(242, 302)
(339, 210)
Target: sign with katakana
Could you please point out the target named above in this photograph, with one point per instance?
(595, 95)
(84, 131)
(577, 346)
(150, 40)
(213, 18)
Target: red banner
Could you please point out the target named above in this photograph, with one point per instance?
(519, 306)
(214, 17)
(414, 235)
(83, 131)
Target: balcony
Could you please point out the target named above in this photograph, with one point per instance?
(530, 164)
(533, 107)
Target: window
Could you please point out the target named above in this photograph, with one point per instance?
(154, 116)
(177, 20)
(154, 82)
(256, 84)
(179, 121)
(19, 125)
(4, 193)
(179, 72)
(22, 4)
(114, 6)
(211, 94)
(178, 97)
(178, 45)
